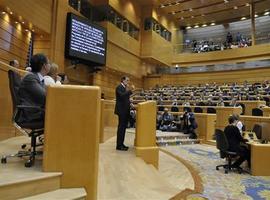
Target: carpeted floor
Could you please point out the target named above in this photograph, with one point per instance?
(217, 184)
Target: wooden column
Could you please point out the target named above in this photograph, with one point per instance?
(252, 17)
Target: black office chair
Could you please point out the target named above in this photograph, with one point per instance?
(257, 129)
(211, 110)
(257, 112)
(198, 110)
(223, 146)
(243, 108)
(187, 109)
(31, 129)
(161, 108)
(174, 109)
(226, 104)
(267, 100)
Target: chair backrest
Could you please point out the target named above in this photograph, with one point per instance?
(257, 112)
(257, 129)
(187, 109)
(14, 84)
(226, 104)
(174, 109)
(221, 140)
(211, 110)
(161, 108)
(198, 110)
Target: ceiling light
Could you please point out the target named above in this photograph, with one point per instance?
(204, 25)
(173, 13)
(26, 30)
(226, 1)
(266, 13)
(247, 4)
(33, 30)
(203, 15)
(256, 15)
(3, 12)
(188, 27)
(190, 9)
(197, 26)
(213, 24)
(243, 18)
(11, 13)
(235, 7)
(22, 22)
(16, 22)
(162, 6)
(192, 16)
(182, 18)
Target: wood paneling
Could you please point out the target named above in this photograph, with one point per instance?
(130, 9)
(38, 13)
(71, 144)
(233, 55)
(108, 80)
(42, 44)
(14, 42)
(122, 39)
(250, 75)
(155, 47)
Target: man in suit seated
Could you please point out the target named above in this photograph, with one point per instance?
(235, 140)
(166, 121)
(32, 91)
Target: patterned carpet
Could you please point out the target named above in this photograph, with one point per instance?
(217, 184)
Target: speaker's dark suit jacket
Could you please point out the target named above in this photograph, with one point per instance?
(32, 93)
(122, 106)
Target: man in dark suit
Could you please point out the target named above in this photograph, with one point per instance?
(235, 139)
(32, 91)
(122, 109)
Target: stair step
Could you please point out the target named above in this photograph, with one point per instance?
(60, 194)
(177, 142)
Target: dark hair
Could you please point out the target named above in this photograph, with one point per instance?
(12, 62)
(37, 61)
(123, 78)
(231, 119)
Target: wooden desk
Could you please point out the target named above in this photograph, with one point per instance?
(266, 111)
(223, 114)
(249, 121)
(249, 105)
(260, 159)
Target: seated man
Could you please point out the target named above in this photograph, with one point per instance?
(166, 120)
(32, 91)
(234, 138)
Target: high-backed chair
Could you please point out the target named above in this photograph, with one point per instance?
(223, 146)
(161, 108)
(174, 109)
(257, 112)
(198, 110)
(226, 104)
(187, 109)
(257, 129)
(267, 100)
(31, 129)
(211, 110)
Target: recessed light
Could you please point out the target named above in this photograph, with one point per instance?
(247, 4)
(190, 9)
(33, 30)
(26, 30)
(204, 25)
(197, 26)
(16, 22)
(173, 13)
(256, 15)
(213, 24)
(182, 18)
(243, 18)
(266, 13)
(11, 13)
(226, 1)
(162, 6)
(235, 7)
(192, 16)
(188, 27)
(22, 22)
(3, 12)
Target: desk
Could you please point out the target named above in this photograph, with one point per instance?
(249, 105)
(266, 111)
(223, 114)
(260, 159)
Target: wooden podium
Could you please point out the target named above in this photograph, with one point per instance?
(145, 140)
(72, 124)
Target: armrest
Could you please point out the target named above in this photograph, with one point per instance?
(21, 107)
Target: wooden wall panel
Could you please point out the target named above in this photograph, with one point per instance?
(130, 9)
(42, 44)
(39, 13)
(14, 41)
(108, 79)
(251, 75)
(232, 55)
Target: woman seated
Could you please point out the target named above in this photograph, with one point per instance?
(52, 78)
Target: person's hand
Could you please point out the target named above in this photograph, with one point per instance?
(58, 78)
